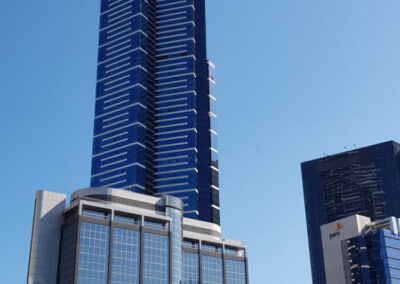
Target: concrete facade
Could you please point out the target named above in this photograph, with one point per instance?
(45, 241)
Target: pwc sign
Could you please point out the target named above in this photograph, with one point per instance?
(339, 226)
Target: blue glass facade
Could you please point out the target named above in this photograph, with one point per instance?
(125, 256)
(93, 253)
(363, 181)
(191, 268)
(155, 259)
(211, 270)
(154, 129)
(375, 258)
(235, 272)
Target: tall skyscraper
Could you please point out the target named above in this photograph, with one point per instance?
(154, 166)
(363, 181)
(154, 129)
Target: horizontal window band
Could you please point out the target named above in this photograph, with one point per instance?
(119, 91)
(118, 33)
(176, 94)
(122, 54)
(172, 138)
(190, 39)
(117, 86)
(117, 62)
(114, 99)
(119, 168)
(171, 20)
(115, 123)
(118, 148)
(116, 7)
(175, 112)
(110, 15)
(122, 37)
(113, 163)
(119, 73)
(119, 128)
(114, 136)
(177, 191)
(172, 14)
(160, 78)
(172, 158)
(187, 28)
(112, 177)
(114, 156)
(171, 165)
(118, 27)
(109, 53)
(171, 125)
(172, 82)
(119, 17)
(170, 59)
(171, 178)
(172, 106)
(114, 183)
(113, 143)
(172, 47)
(117, 116)
(172, 88)
(171, 119)
(172, 185)
(117, 110)
(116, 68)
(176, 131)
(176, 8)
(172, 145)
(170, 65)
(177, 171)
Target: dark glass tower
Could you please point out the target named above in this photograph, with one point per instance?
(363, 181)
(154, 129)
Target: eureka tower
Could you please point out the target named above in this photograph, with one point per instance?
(154, 129)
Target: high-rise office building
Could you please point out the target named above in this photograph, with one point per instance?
(358, 251)
(115, 236)
(154, 129)
(363, 181)
(152, 213)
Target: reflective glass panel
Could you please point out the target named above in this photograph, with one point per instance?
(155, 259)
(211, 270)
(125, 256)
(235, 272)
(190, 268)
(93, 253)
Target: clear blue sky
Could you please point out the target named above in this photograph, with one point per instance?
(295, 79)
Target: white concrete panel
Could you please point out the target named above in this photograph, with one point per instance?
(48, 218)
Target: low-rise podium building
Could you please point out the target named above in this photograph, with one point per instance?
(116, 236)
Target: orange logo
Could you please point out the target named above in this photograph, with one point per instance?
(339, 227)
